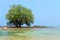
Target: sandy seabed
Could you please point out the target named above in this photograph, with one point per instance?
(30, 38)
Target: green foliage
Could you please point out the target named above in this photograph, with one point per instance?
(19, 15)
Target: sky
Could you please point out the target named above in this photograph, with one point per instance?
(46, 12)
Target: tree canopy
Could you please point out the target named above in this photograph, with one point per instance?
(19, 15)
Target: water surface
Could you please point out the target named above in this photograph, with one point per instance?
(30, 34)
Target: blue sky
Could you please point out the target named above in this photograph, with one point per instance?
(46, 12)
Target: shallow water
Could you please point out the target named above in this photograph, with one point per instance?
(30, 34)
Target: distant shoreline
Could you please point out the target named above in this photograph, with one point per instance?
(26, 27)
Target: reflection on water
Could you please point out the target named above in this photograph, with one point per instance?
(12, 35)
(30, 34)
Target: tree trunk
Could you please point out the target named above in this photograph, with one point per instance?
(19, 26)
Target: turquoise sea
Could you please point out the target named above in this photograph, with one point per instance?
(30, 34)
